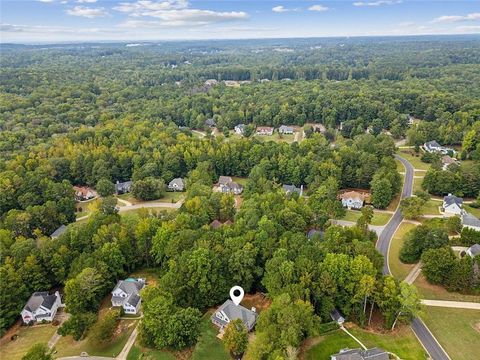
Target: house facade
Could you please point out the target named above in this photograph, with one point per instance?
(352, 200)
(123, 187)
(434, 147)
(126, 294)
(227, 185)
(83, 193)
(240, 129)
(265, 130)
(176, 184)
(41, 306)
(452, 205)
(228, 311)
(285, 129)
(290, 189)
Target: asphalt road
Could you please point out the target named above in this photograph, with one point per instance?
(383, 244)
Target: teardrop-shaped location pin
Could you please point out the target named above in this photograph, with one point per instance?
(236, 294)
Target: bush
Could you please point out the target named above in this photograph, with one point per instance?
(469, 237)
(421, 239)
(327, 327)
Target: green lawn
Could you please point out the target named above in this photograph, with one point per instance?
(402, 342)
(27, 337)
(457, 330)
(399, 270)
(138, 353)
(67, 346)
(168, 197)
(411, 157)
(81, 214)
(209, 346)
(471, 210)
(434, 292)
(400, 167)
(239, 180)
(379, 218)
(276, 137)
(431, 207)
(417, 184)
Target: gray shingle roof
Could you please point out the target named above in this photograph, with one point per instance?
(210, 122)
(130, 287)
(475, 249)
(133, 300)
(359, 354)
(233, 312)
(123, 186)
(59, 231)
(470, 220)
(224, 180)
(40, 299)
(178, 182)
(432, 143)
(292, 188)
(452, 199)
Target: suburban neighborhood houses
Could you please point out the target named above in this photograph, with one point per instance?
(227, 185)
(123, 187)
(264, 130)
(41, 306)
(126, 294)
(452, 205)
(84, 193)
(434, 147)
(352, 199)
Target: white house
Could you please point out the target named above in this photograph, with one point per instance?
(127, 294)
(352, 200)
(470, 221)
(228, 311)
(452, 205)
(433, 147)
(240, 129)
(41, 307)
(176, 185)
(285, 129)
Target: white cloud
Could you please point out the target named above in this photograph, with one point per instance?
(318, 7)
(469, 28)
(455, 18)
(377, 3)
(279, 9)
(87, 12)
(86, 1)
(46, 1)
(174, 13)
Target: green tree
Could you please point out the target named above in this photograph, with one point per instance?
(438, 265)
(148, 189)
(382, 193)
(102, 332)
(105, 187)
(83, 292)
(77, 325)
(412, 207)
(38, 352)
(235, 337)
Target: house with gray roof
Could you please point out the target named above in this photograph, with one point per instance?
(224, 180)
(284, 129)
(176, 185)
(127, 294)
(240, 129)
(41, 306)
(227, 185)
(473, 250)
(452, 205)
(210, 123)
(470, 221)
(337, 317)
(315, 233)
(123, 187)
(228, 311)
(359, 354)
(58, 232)
(434, 147)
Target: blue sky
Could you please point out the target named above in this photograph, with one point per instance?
(94, 20)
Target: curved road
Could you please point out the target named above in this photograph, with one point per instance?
(383, 245)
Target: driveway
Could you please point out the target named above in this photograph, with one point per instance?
(452, 304)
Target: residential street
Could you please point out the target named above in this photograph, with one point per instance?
(424, 335)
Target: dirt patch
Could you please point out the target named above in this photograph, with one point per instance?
(476, 326)
(7, 337)
(307, 345)
(258, 300)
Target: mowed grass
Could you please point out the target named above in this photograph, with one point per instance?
(399, 270)
(289, 138)
(209, 346)
(138, 353)
(457, 330)
(417, 184)
(435, 292)
(379, 218)
(401, 342)
(431, 207)
(27, 337)
(414, 159)
(169, 197)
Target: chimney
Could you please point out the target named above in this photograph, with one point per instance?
(254, 309)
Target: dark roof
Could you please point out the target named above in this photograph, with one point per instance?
(224, 180)
(470, 220)
(233, 312)
(178, 181)
(133, 300)
(452, 199)
(233, 185)
(313, 232)
(359, 354)
(432, 143)
(59, 231)
(336, 316)
(210, 122)
(41, 298)
(129, 287)
(215, 224)
(475, 249)
(292, 188)
(120, 186)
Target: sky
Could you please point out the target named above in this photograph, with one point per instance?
(51, 21)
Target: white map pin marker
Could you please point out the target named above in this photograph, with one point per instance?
(236, 294)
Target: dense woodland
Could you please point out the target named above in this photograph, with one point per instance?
(94, 114)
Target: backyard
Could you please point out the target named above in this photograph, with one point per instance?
(457, 330)
(435, 292)
(413, 158)
(379, 218)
